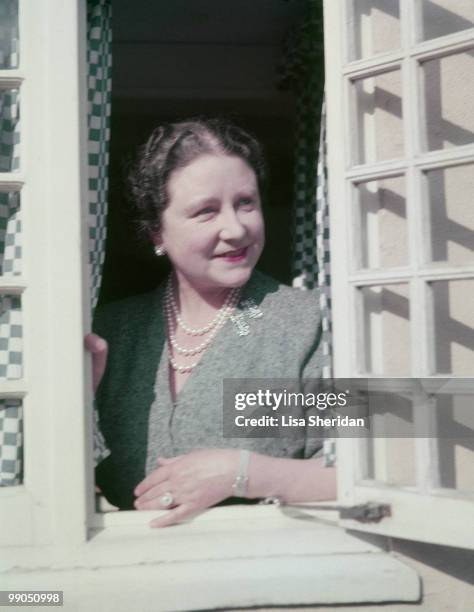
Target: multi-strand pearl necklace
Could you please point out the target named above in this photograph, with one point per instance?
(211, 328)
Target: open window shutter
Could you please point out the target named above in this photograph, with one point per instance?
(401, 178)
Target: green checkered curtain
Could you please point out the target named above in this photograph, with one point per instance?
(99, 55)
(9, 34)
(302, 72)
(323, 259)
(99, 84)
(10, 223)
(99, 36)
(11, 327)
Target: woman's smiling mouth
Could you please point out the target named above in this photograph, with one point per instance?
(234, 256)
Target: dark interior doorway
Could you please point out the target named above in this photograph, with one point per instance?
(174, 60)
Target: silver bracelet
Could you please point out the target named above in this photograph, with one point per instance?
(239, 486)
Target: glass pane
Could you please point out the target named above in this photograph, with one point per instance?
(386, 330)
(442, 17)
(455, 422)
(379, 117)
(383, 239)
(9, 130)
(453, 322)
(11, 341)
(391, 459)
(450, 214)
(375, 25)
(11, 442)
(448, 89)
(10, 233)
(8, 34)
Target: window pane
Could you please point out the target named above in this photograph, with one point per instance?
(375, 26)
(385, 328)
(11, 342)
(450, 214)
(455, 421)
(10, 233)
(383, 239)
(391, 459)
(9, 130)
(11, 442)
(442, 17)
(379, 117)
(448, 90)
(8, 34)
(453, 322)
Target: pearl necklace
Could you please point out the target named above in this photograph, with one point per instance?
(200, 331)
(170, 309)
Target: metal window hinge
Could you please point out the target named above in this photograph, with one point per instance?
(370, 512)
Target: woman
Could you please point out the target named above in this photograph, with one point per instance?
(197, 188)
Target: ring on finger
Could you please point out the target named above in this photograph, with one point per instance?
(166, 499)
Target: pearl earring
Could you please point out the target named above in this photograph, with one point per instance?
(159, 251)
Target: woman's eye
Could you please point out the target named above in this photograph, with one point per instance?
(205, 212)
(246, 203)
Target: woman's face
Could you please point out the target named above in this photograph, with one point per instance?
(212, 228)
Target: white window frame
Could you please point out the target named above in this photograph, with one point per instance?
(250, 555)
(37, 511)
(427, 513)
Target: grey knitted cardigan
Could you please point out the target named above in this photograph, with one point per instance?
(137, 415)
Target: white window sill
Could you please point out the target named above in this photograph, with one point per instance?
(228, 557)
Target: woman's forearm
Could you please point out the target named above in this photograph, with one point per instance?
(291, 480)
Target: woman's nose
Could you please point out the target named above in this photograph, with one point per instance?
(232, 227)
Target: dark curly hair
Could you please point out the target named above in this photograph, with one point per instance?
(175, 145)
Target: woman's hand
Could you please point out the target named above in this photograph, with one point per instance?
(98, 348)
(196, 481)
